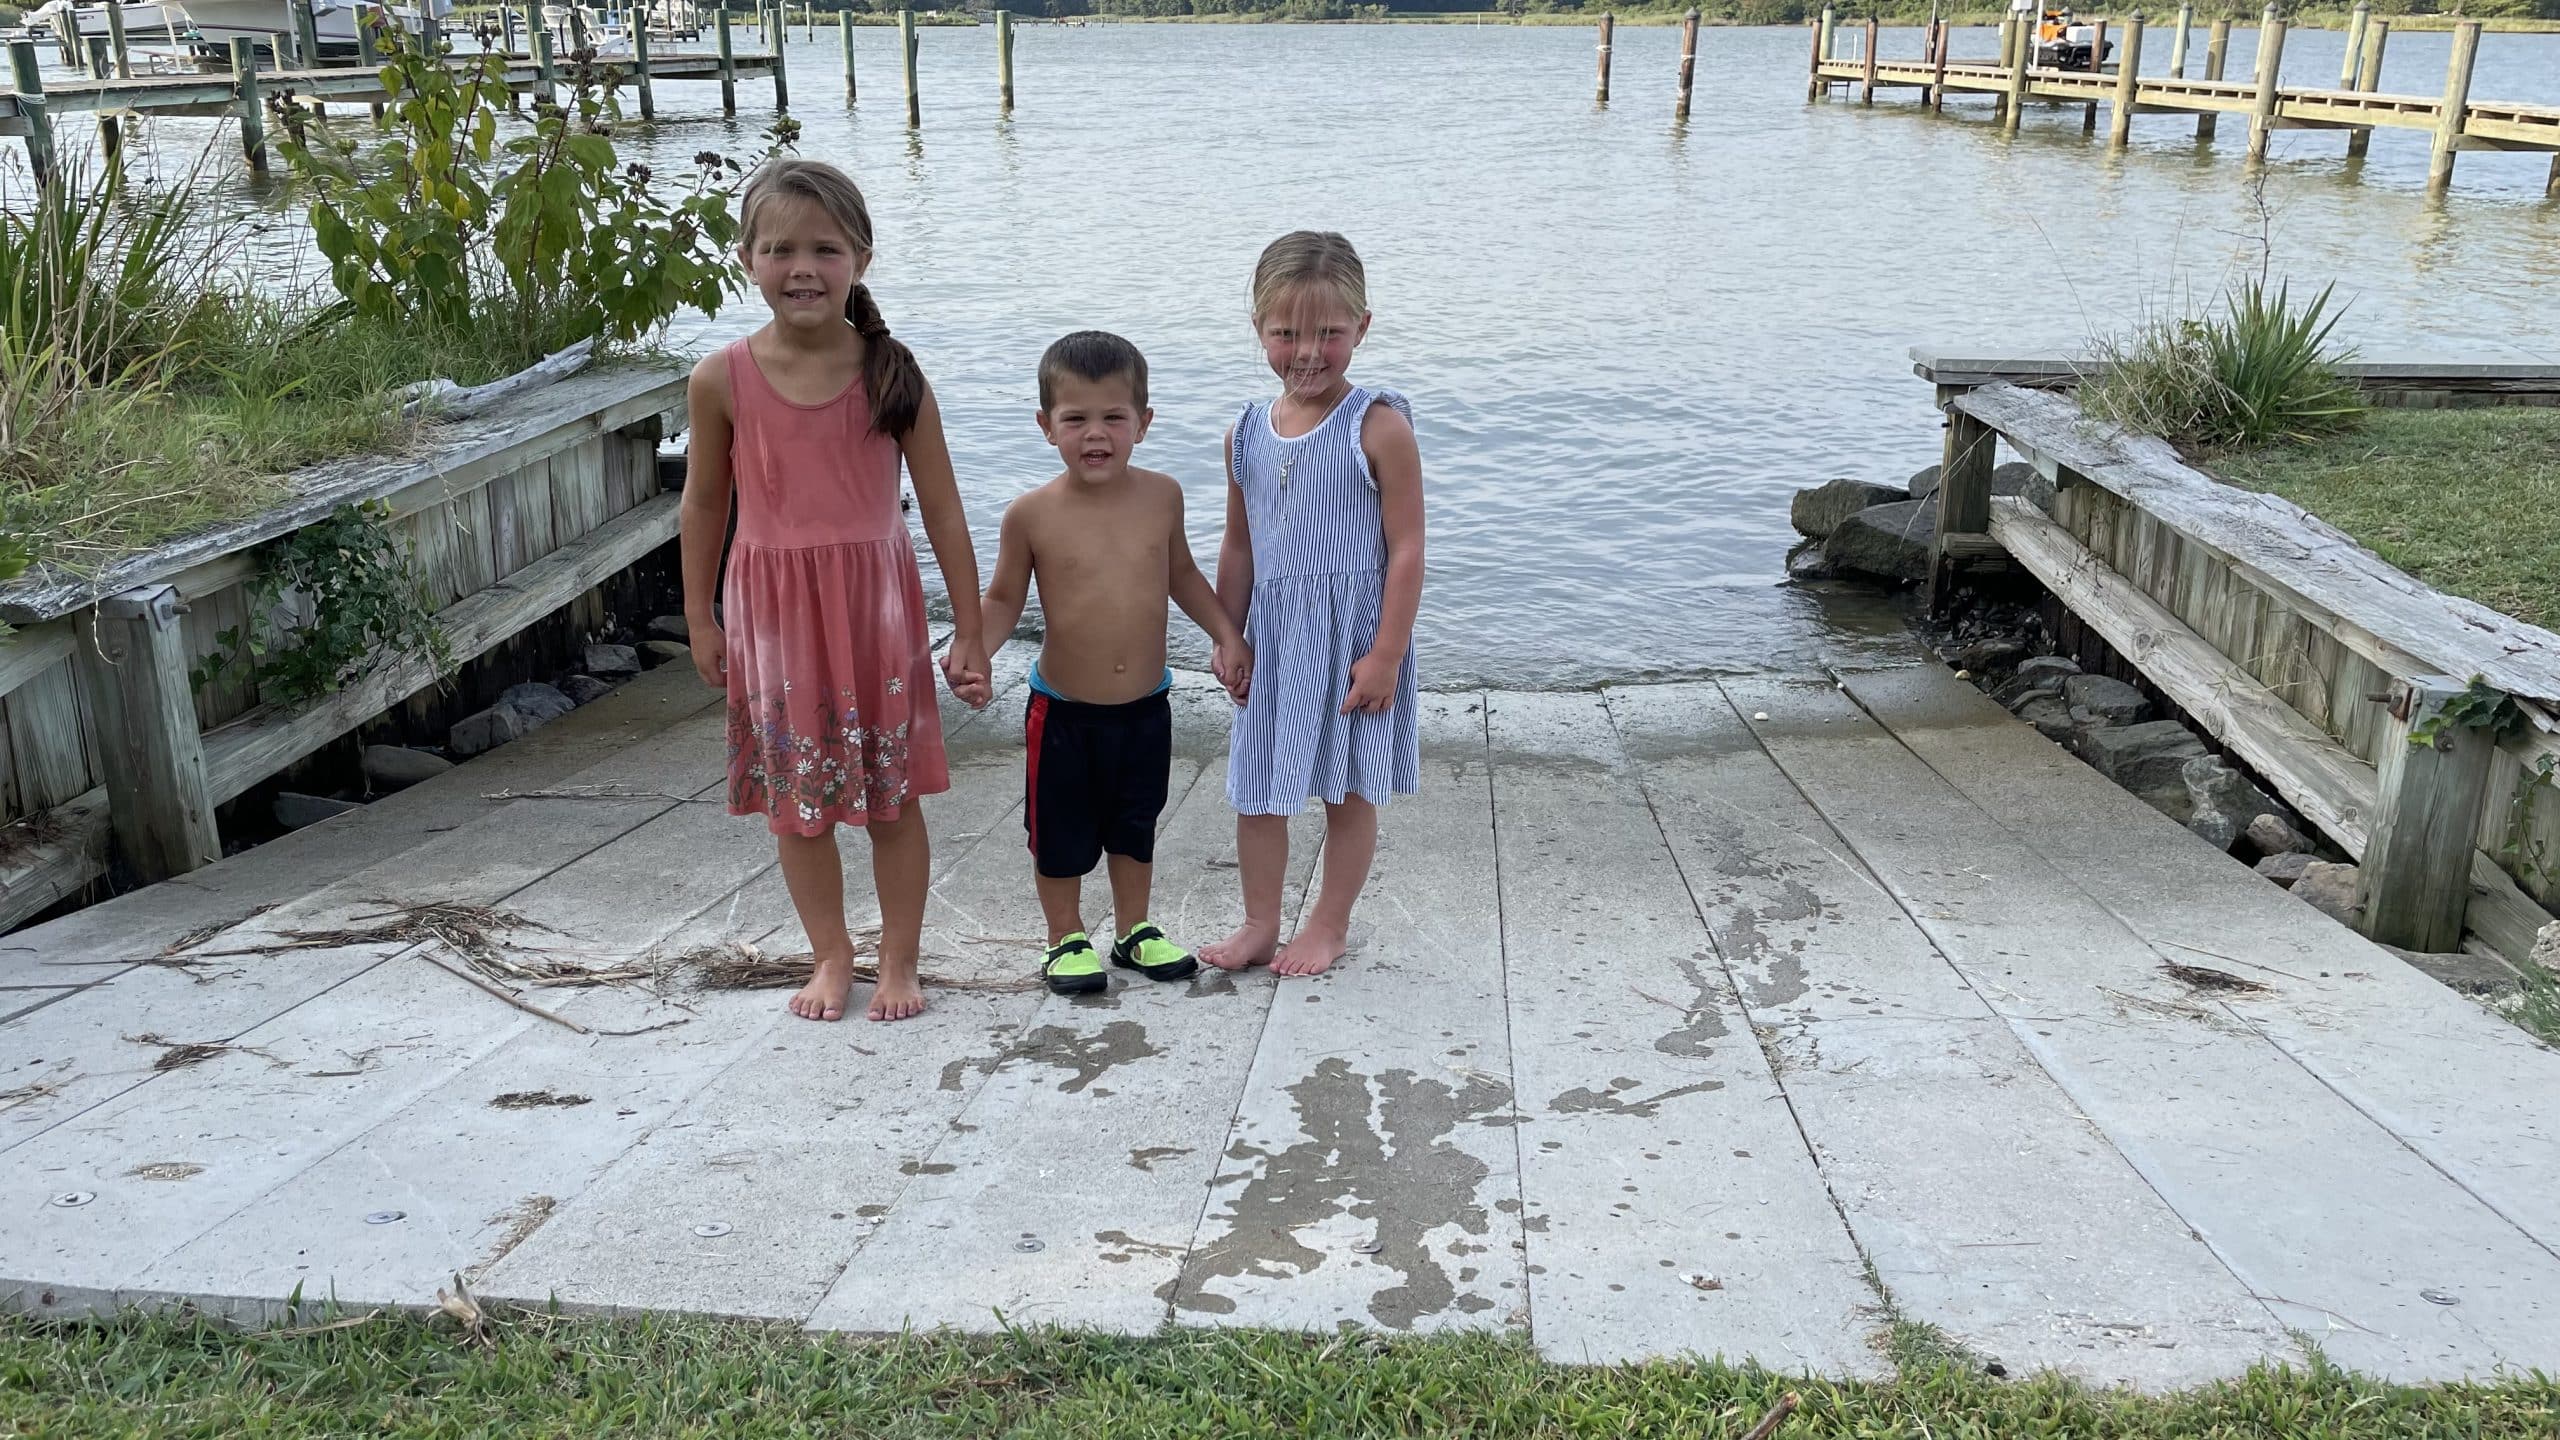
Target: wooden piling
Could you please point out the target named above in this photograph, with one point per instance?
(1964, 489)
(132, 660)
(507, 28)
(1004, 55)
(2262, 113)
(1866, 86)
(116, 42)
(1608, 33)
(306, 35)
(2457, 101)
(253, 114)
(538, 35)
(2178, 46)
(2377, 35)
(1827, 43)
(431, 32)
(2551, 187)
(2426, 824)
(368, 56)
(1946, 43)
(2357, 19)
(775, 35)
(907, 47)
(726, 45)
(2128, 74)
(844, 27)
(640, 59)
(2097, 66)
(26, 76)
(2021, 50)
(2217, 48)
(110, 124)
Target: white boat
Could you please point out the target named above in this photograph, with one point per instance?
(219, 22)
(141, 22)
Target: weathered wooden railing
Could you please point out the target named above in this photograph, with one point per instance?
(2304, 653)
(514, 514)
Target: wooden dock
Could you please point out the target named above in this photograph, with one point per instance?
(1738, 1017)
(2456, 121)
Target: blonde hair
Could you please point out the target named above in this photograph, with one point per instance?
(1318, 258)
(891, 378)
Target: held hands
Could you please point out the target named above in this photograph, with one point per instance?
(711, 655)
(1373, 684)
(964, 669)
(1233, 665)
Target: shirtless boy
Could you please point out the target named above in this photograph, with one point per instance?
(1105, 544)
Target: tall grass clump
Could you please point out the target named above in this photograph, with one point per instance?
(2258, 372)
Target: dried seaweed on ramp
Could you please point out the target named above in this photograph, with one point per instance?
(738, 965)
(2203, 977)
(179, 1054)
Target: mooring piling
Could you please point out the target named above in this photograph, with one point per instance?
(116, 42)
(2217, 49)
(2128, 73)
(1867, 85)
(2377, 36)
(640, 52)
(2178, 46)
(1004, 56)
(2357, 19)
(253, 115)
(907, 46)
(727, 46)
(844, 29)
(1688, 62)
(2262, 111)
(2457, 100)
(775, 34)
(26, 75)
(1609, 28)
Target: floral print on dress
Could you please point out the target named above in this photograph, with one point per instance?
(829, 768)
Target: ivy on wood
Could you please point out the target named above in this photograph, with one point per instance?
(328, 602)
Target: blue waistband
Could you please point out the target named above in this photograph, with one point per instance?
(1041, 687)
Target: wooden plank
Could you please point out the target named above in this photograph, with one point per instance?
(465, 453)
(133, 666)
(1058, 1148)
(2329, 1216)
(2384, 615)
(2022, 1234)
(468, 557)
(33, 650)
(1656, 1145)
(2464, 1087)
(813, 1137)
(506, 532)
(2416, 870)
(248, 750)
(48, 763)
(533, 509)
(2316, 776)
(36, 873)
(207, 618)
(1371, 1174)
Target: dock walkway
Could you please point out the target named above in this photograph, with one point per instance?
(1734, 1017)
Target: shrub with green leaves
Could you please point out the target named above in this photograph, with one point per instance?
(447, 222)
(2260, 371)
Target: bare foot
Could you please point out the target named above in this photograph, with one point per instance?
(824, 996)
(1312, 952)
(1251, 944)
(897, 996)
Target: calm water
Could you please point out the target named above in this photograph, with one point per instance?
(1626, 341)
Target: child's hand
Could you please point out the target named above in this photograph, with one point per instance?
(1233, 665)
(711, 656)
(964, 669)
(1373, 684)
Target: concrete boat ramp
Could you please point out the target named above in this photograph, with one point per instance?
(1731, 1018)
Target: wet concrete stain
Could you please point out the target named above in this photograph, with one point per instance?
(1400, 1174)
(955, 1076)
(1583, 1100)
(537, 1099)
(1703, 1021)
(1086, 1057)
(1210, 980)
(1146, 1158)
(1126, 1247)
(166, 1170)
(1770, 977)
(926, 1167)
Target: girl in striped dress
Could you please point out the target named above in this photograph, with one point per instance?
(1322, 567)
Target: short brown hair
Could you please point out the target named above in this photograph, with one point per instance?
(1092, 355)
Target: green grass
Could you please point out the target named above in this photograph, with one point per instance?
(588, 1378)
(2466, 500)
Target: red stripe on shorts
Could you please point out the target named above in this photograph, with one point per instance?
(1031, 788)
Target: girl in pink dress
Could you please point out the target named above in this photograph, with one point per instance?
(821, 638)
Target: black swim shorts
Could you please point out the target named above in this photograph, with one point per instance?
(1096, 780)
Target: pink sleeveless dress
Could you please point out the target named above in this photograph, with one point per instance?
(832, 711)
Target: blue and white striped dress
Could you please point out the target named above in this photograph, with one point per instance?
(1319, 577)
